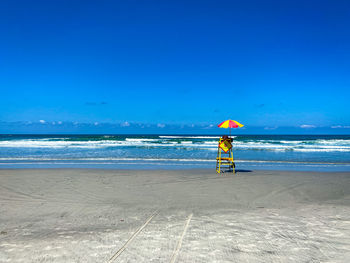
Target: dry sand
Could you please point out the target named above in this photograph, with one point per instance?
(77, 215)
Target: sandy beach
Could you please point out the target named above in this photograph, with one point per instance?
(86, 215)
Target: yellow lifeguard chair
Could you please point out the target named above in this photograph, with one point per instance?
(225, 155)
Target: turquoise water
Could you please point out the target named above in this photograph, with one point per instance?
(300, 152)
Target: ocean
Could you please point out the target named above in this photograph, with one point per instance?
(285, 152)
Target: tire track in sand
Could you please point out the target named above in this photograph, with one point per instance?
(117, 254)
(178, 247)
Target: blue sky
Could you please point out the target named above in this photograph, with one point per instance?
(174, 66)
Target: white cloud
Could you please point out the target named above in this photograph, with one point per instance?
(125, 124)
(42, 121)
(208, 127)
(340, 127)
(307, 126)
(160, 125)
(270, 128)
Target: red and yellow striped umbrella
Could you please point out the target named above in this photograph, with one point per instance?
(230, 124)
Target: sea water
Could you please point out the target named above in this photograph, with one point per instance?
(290, 152)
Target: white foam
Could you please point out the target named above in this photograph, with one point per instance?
(334, 142)
(103, 160)
(56, 144)
(140, 140)
(211, 142)
(191, 137)
(269, 145)
(322, 150)
(291, 142)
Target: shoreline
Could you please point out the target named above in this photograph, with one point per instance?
(268, 152)
(273, 166)
(194, 169)
(88, 215)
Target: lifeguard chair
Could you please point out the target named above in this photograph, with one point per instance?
(225, 155)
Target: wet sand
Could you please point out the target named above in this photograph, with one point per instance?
(86, 215)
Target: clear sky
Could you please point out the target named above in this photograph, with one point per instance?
(166, 66)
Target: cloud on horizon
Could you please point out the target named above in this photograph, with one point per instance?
(307, 126)
(44, 126)
(340, 127)
(125, 124)
(270, 128)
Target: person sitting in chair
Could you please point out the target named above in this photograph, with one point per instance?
(225, 137)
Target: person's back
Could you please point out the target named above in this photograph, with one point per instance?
(225, 137)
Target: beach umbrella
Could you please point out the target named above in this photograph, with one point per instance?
(230, 124)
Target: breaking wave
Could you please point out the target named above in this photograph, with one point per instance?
(180, 142)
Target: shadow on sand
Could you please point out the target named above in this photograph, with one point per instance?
(243, 171)
(237, 171)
